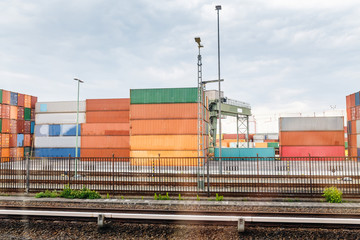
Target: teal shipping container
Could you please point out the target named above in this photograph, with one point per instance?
(163, 95)
(246, 152)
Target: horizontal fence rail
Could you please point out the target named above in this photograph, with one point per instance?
(245, 176)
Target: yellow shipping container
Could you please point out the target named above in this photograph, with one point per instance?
(164, 142)
(261, 145)
(346, 152)
(163, 162)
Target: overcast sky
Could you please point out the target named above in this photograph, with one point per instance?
(277, 55)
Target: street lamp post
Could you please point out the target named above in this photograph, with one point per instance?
(77, 125)
(218, 8)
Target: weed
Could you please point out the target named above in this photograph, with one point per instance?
(180, 198)
(332, 195)
(142, 198)
(122, 197)
(162, 197)
(107, 196)
(197, 198)
(47, 194)
(156, 197)
(219, 198)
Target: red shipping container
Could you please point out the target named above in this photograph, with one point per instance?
(13, 152)
(348, 114)
(20, 114)
(100, 152)
(312, 138)
(13, 126)
(27, 101)
(21, 100)
(107, 117)
(32, 117)
(233, 136)
(314, 151)
(5, 140)
(353, 114)
(27, 140)
(13, 140)
(347, 101)
(27, 127)
(33, 102)
(5, 111)
(20, 126)
(5, 128)
(6, 97)
(352, 100)
(357, 112)
(122, 104)
(353, 127)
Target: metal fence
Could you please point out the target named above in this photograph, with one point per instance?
(246, 176)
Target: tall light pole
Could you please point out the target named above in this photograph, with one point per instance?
(218, 8)
(77, 125)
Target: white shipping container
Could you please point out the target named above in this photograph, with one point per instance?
(56, 142)
(357, 126)
(41, 130)
(60, 107)
(242, 145)
(258, 140)
(358, 140)
(213, 94)
(259, 137)
(59, 118)
(272, 136)
(311, 124)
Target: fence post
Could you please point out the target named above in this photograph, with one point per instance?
(113, 173)
(69, 169)
(257, 172)
(27, 173)
(311, 189)
(159, 175)
(208, 173)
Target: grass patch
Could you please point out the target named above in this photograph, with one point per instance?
(67, 192)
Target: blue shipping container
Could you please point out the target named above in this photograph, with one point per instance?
(13, 99)
(43, 107)
(358, 153)
(246, 152)
(20, 140)
(349, 127)
(32, 127)
(54, 130)
(357, 99)
(70, 130)
(55, 152)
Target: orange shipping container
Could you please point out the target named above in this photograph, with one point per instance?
(5, 111)
(105, 129)
(5, 140)
(33, 102)
(312, 138)
(6, 97)
(107, 117)
(352, 100)
(20, 152)
(108, 104)
(105, 152)
(353, 127)
(21, 100)
(27, 101)
(353, 141)
(27, 140)
(164, 111)
(261, 145)
(13, 152)
(163, 162)
(5, 128)
(105, 142)
(164, 142)
(13, 112)
(175, 154)
(5, 153)
(347, 101)
(352, 151)
(164, 127)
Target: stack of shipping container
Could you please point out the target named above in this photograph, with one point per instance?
(16, 124)
(106, 131)
(314, 136)
(353, 123)
(164, 122)
(55, 128)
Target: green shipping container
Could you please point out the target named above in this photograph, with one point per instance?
(27, 114)
(346, 144)
(0, 95)
(0, 127)
(273, 144)
(27, 151)
(163, 95)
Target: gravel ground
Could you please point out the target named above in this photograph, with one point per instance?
(21, 230)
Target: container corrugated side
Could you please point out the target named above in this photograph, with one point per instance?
(21, 100)
(60, 107)
(312, 138)
(163, 95)
(41, 130)
(13, 98)
(107, 117)
(314, 151)
(105, 152)
(357, 99)
(164, 142)
(358, 140)
(1, 96)
(175, 154)
(59, 118)
(357, 126)
(103, 129)
(105, 141)
(164, 127)
(164, 111)
(56, 142)
(311, 124)
(5, 97)
(56, 152)
(261, 145)
(245, 152)
(164, 162)
(69, 129)
(119, 104)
